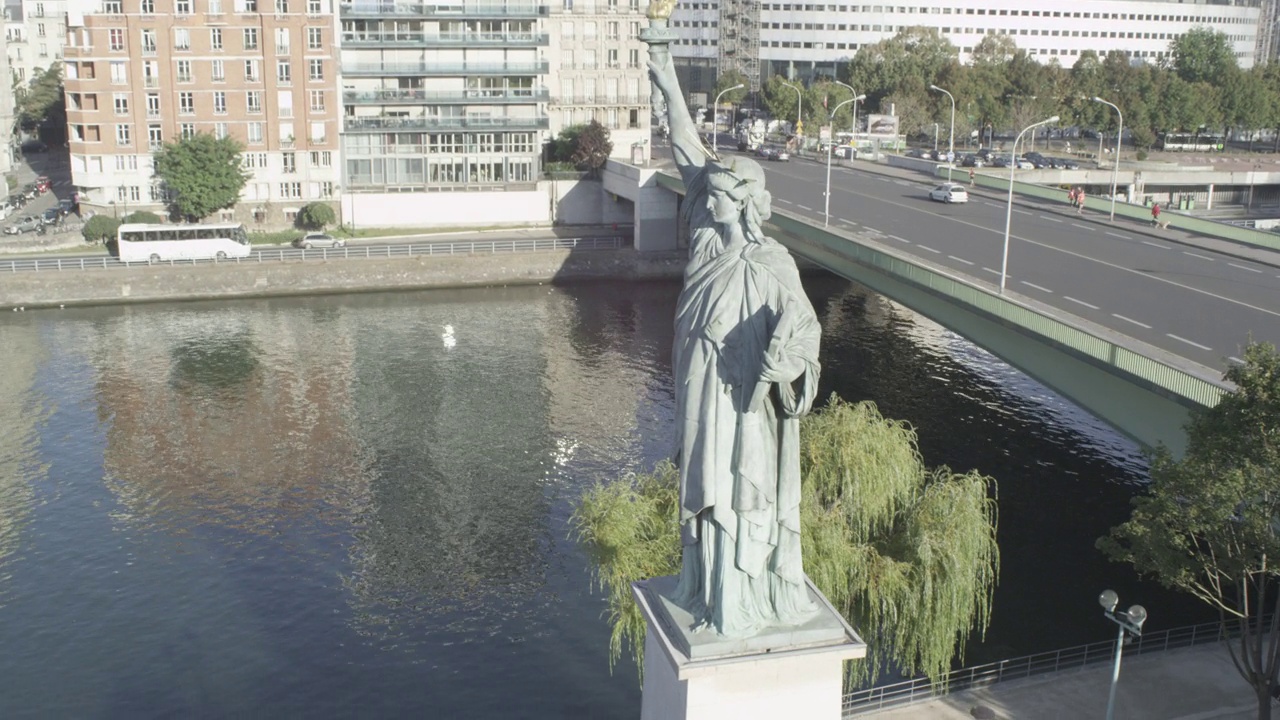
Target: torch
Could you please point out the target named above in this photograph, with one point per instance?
(658, 36)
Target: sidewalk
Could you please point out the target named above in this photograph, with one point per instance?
(1197, 683)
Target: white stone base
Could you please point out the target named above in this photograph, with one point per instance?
(783, 681)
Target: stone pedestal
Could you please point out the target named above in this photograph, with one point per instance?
(785, 672)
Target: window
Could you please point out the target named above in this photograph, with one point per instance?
(290, 161)
(322, 159)
(187, 130)
(219, 102)
(633, 58)
(566, 30)
(124, 135)
(317, 100)
(588, 31)
(613, 57)
(119, 73)
(284, 75)
(251, 38)
(291, 190)
(219, 70)
(182, 7)
(155, 137)
(611, 30)
(282, 7)
(315, 36)
(317, 132)
(315, 69)
(184, 71)
(253, 101)
(121, 103)
(147, 7)
(148, 42)
(248, 6)
(112, 7)
(220, 130)
(252, 73)
(215, 38)
(315, 7)
(153, 105)
(181, 39)
(115, 38)
(284, 103)
(126, 162)
(282, 41)
(255, 133)
(215, 7)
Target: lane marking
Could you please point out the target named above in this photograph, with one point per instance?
(1122, 237)
(1156, 245)
(899, 239)
(1189, 342)
(1202, 257)
(1242, 267)
(805, 207)
(926, 247)
(1080, 302)
(966, 262)
(1024, 212)
(1235, 359)
(1033, 285)
(1051, 219)
(785, 201)
(1135, 322)
(993, 272)
(1084, 227)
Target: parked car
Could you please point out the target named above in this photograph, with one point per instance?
(66, 206)
(1025, 164)
(29, 191)
(310, 240)
(1069, 164)
(17, 200)
(972, 161)
(51, 216)
(43, 184)
(34, 146)
(1000, 161)
(29, 223)
(949, 193)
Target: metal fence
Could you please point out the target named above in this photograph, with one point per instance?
(909, 692)
(360, 252)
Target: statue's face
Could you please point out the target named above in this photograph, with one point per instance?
(724, 209)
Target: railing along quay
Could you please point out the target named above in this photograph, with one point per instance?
(919, 690)
(359, 252)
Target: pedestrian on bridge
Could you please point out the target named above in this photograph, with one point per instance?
(1155, 213)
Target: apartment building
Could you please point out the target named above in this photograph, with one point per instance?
(140, 73)
(444, 96)
(599, 72)
(801, 40)
(35, 32)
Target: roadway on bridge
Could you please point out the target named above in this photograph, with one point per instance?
(1191, 301)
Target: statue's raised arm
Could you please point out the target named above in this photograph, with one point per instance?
(690, 155)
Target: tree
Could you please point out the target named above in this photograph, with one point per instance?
(1209, 524)
(728, 79)
(906, 554)
(1202, 55)
(316, 216)
(40, 104)
(202, 173)
(100, 228)
(142, 216)
(592, 149)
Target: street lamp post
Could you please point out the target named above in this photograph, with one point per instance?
(1115, 162)
(827, 211)
(1008, 216)
(715, 134)
(853, 126)
(1130, 621)
(951, 142)
(935, 138)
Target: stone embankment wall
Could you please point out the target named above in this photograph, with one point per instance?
(164, 283)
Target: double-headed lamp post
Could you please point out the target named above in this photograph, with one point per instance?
(951, 142)
(1115, 162)
(827, 211)
(853, 126)
(1130, 621)
(1008, 215)
(799, 105)
(715, 117)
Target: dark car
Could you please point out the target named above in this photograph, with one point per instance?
(999, 161)
(1069, 164)
(17, 200)
(34, 146)
(51, 216)
(30, 191)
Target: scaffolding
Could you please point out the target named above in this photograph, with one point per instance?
(740, 39)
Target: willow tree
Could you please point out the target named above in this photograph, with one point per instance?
(908, 555)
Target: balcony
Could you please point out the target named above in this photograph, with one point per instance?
(442, 70)
(380, 124)
(600, 100)
(373, 8)
(401, 39)
(151, 82)
(436, 97)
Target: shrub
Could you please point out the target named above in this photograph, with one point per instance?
(1142, 155)
(142, 216)
(315, 216)
(100, 228)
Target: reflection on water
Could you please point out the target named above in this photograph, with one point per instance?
(315, 507)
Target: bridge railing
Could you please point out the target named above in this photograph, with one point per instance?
(279, 254)
(909, 692)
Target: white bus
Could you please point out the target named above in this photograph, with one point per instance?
(137, 242)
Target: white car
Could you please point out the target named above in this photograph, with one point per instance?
(1025, 164)
(949, 193)
(310, 240)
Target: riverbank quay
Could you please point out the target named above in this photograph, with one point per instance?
(341, 272)
(1195, 683)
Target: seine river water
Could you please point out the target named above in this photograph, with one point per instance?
(314, 508)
